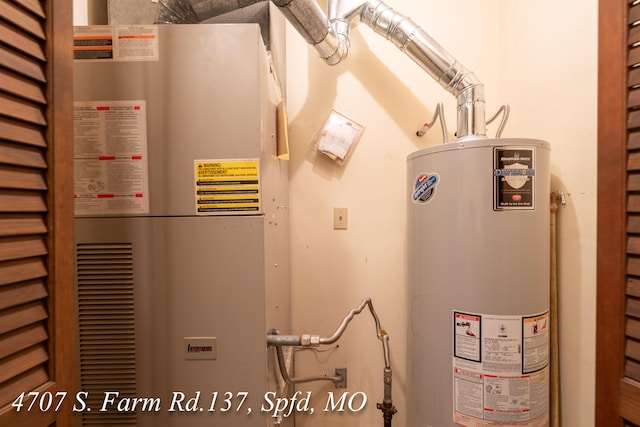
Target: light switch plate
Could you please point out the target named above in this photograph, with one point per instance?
(340, 217)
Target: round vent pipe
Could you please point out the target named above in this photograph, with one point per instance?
(330, 37)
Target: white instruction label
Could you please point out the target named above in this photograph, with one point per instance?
(116, 43)
(500, 370)
(110, 158)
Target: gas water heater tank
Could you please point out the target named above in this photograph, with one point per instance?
(478, 234)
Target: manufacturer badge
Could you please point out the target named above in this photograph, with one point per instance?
(425, 187)
(514, 178)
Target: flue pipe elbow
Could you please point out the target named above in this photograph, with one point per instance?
(313, 25)
(471, 113)
(433, 59)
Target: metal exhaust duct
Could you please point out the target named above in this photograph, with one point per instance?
(435, 60)
(330, 36)
(196, 11)
(312, 24)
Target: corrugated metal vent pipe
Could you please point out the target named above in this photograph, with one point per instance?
(196, 11)
(330, 37)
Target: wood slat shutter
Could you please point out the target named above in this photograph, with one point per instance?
(630, 383)
(618, 319)
(37, 323)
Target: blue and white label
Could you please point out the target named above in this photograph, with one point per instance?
(425, 187)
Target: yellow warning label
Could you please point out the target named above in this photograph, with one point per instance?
(227, 169)
(227, 186)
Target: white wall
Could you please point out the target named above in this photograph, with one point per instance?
(535, 56)
(80, 14)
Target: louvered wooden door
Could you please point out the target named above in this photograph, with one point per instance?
(618, 317)
(37, 328)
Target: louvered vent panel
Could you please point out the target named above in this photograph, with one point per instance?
(107, 329)
(632, 353)
(629, 385)
(26, 143)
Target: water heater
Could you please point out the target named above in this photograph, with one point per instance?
(478, 234)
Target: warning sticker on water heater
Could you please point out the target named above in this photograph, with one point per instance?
(500, 370)
(514, 178)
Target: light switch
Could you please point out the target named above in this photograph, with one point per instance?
(340, 216)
